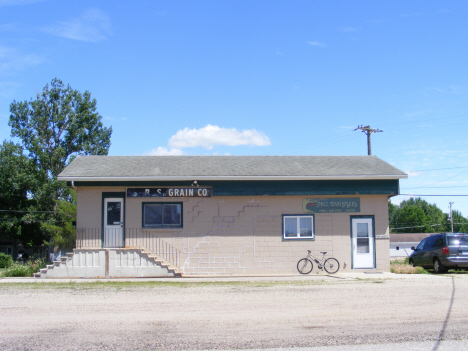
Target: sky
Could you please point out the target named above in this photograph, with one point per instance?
(249, 77)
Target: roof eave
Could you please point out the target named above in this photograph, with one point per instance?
(191, 178)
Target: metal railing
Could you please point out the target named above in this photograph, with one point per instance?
(92, 238)
(137, 237)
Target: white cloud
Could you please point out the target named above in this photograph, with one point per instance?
(8, 89)
(209, 136)
(316, 43)
(12, 60)
(413, 173)
(92, 26)
(448, 90)
(17, 2)
(163, 151)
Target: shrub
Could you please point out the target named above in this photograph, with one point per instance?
(18, 270)
(402, 266)
(5, 260)
(406, 269)
(25, 269)
(37, 264)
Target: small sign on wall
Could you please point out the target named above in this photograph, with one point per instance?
(332, 205)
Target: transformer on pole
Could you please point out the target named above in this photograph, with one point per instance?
(368, 131)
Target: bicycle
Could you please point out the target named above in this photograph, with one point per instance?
(305, 265)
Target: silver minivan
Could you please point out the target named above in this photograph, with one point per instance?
(441, 252)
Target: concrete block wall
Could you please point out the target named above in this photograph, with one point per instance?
(243, 235)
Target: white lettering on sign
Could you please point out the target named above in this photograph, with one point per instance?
(184, 192)
(170, 192)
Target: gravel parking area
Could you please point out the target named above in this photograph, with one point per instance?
(209, 313)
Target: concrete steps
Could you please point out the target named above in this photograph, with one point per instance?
(108, 263)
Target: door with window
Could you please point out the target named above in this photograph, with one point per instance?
(362, 241)
(113, 222)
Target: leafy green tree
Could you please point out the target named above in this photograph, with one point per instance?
(411, 219)
(436, 220)
(460, 223)
(19, 181)
(58, 125)
(62, 231)
(392, 212)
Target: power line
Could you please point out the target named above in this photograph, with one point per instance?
(427, 225)
(425, 120)
(32, 220)
(21, 211)
(430, 195)
(439, 187)
(435, 169)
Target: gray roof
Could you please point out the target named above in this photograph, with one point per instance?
(134, 168)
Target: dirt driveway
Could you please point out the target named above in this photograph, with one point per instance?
(229, 314)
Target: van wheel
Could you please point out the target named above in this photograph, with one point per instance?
(438, 267)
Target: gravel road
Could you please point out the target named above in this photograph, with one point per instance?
(208, 315)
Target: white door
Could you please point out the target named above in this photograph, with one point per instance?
(113, 222)
(362, 238)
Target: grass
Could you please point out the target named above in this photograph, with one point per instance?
(401, 266)
(122, 285)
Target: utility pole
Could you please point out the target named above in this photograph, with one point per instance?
(451, 216)
(368, 131)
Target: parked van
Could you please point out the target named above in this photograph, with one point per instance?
(441, 252)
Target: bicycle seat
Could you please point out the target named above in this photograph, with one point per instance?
(323, 253)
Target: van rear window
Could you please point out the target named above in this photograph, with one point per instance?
(459, 240)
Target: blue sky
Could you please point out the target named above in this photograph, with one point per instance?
(258, 78)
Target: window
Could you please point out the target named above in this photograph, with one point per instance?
(421, 244)
(162, 215)
(298, 227)
(439, 242)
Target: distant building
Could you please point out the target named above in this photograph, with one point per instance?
(400, 244)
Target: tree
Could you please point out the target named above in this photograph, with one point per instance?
(392, 213)
(58, 125)
(62, 232)
(460, 223)
(411, 219)
(19, 181)
(435, 218)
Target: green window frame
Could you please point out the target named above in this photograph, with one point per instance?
(162, 215)
(299, 227)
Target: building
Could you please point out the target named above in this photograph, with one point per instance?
(228, 215)
(400, 244)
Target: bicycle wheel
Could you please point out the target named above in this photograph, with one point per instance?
(331, 265)
(305, 266)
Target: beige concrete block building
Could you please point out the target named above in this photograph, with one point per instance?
(234, 215)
